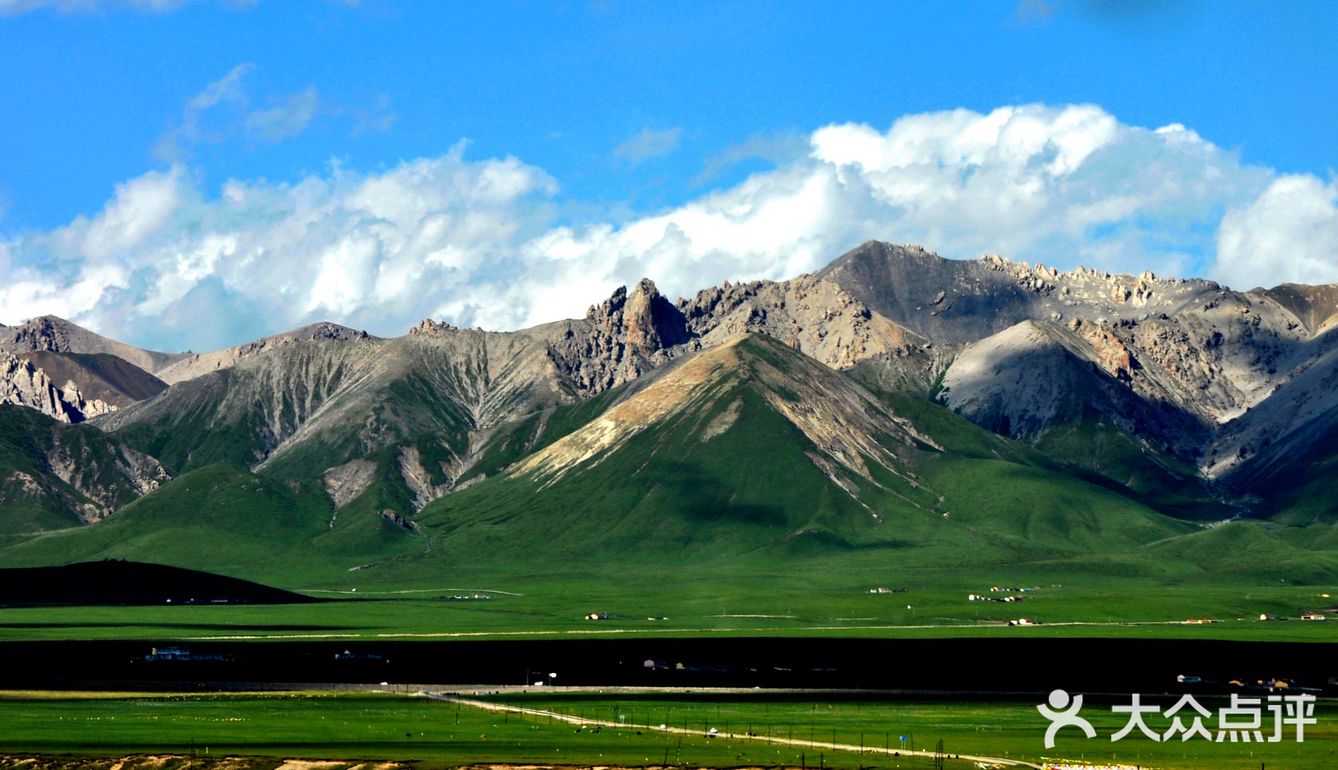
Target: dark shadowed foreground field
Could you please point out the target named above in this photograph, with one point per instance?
(920, 665)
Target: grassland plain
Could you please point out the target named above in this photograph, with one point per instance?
(371, 726)
(1009, 729)
(359, 726)
(797, 602)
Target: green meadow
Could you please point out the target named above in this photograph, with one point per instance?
(799, 602)
(785, 604)
(433, 734)
(363, 726)
(1007, 729)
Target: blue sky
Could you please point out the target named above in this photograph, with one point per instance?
(505, 163)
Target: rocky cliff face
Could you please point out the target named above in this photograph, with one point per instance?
(814, 316)
(23, 384)
(1035, 376)
(1205, 357)
(619, 339)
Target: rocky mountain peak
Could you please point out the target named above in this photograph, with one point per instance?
(430, 328)
(849, 429)
(329, 330)
(199, 364)
(652, 321)
(54, 334)
(644, 320)
(646, 286)
(42, 333)
(1315, 307)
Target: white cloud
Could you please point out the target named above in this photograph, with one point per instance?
(28, 293)
(1040, 182)
(646, 144)
(205, 116)
(479, 242)
(775, 149)
(140, 208)
(221, 112)
(374, 250)
(1288, 234)
(288, 118)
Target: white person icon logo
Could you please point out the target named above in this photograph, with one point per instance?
(1063, 712)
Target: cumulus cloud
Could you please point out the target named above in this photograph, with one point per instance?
(161, 261)
(1068, 185)
(1288, 234)
(481, 242)
(646, 144)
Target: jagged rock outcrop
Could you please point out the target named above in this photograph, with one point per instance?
(23, 384)
(816, 317)
(91, 374)
(620, 339)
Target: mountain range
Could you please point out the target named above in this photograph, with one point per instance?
(892, 403)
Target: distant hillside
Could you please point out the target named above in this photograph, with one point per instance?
(54, 475)
(123, 582)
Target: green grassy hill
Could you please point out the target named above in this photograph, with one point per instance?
(55, 475)
(219, 518)
(759, 490)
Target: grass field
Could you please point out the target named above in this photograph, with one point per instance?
(445, 734)
(357, 726)
(796, 602)
(1003, 729)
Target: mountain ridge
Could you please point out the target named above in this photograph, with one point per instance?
(1204, 381)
